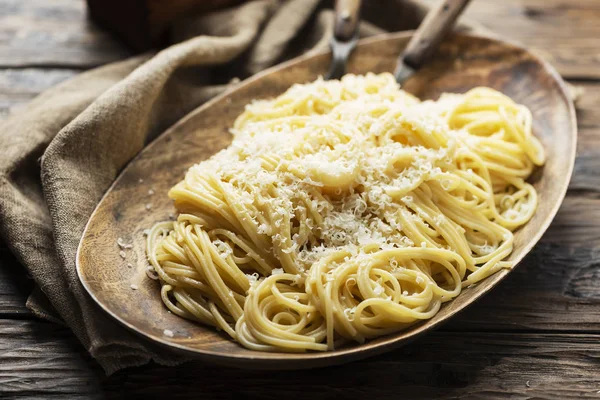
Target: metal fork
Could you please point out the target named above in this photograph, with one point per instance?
(345, 36)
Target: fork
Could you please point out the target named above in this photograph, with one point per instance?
(345, 36)
(428, 36)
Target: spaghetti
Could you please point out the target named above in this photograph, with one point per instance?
(346, 210)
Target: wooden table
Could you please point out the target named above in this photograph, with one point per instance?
(537, 335)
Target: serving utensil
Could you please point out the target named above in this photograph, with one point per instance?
(436, 25)
(345, 36)
(460, 63)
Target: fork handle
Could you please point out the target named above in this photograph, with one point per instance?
(347, 14)
(431, 32)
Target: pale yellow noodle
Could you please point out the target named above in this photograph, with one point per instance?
(346, 210)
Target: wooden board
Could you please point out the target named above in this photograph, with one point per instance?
(540, 325)
(53, 33)
(43, 360)
(15, 286)
(564, 32)
(19, 86)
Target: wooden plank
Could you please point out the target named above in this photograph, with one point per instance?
(43, 360)
(53, 33)
(556, 289)
(563, 32)
(14, 286)
(587, 165)
(13, 294)
(19, 86)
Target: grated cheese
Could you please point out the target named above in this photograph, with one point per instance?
(168, 333)
(123, 245)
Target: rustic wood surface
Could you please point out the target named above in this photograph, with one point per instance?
(537, 335)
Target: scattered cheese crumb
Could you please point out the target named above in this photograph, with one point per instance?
(129, 265)
(122, 254)
(440, 219)
(150, 192)
(134, 287)
(141, 180)
(349, 313)
(277, 271)
(252, 278)
(148, 206)
(123, 245)
(168, 332)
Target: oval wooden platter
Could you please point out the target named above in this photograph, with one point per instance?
(461, 63)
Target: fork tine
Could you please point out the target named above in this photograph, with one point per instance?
(345, 36)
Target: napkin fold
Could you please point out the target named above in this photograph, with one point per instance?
(62, 152)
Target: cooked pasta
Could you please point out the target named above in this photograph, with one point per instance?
(346, 210)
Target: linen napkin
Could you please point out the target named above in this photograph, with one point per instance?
(62, 152)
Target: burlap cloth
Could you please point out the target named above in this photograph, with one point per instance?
(61, 153)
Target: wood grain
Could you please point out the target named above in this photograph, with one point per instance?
(461, 63)
(53, 33)
(43, 360)
(19, 86)
(586, 176)
(564, 32)
(14, 286)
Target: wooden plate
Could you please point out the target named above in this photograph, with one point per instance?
(461, 63)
